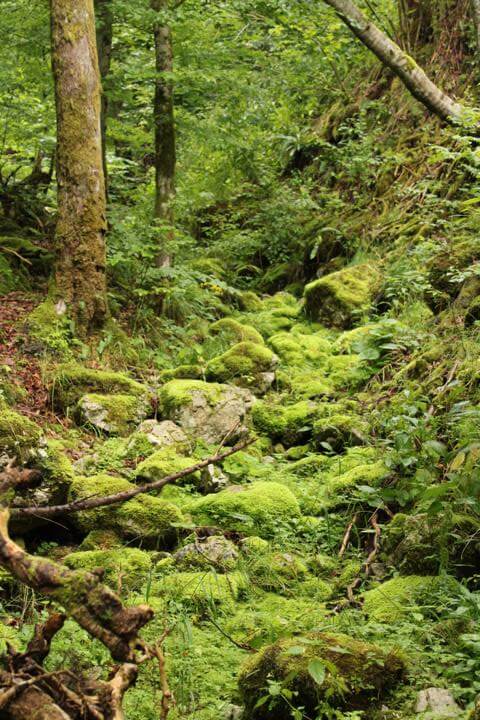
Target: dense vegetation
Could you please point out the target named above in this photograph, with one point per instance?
(290, 290)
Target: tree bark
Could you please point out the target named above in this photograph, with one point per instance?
(104, 16)
(81, 224)
(391, 55)
(164, 123)
(476, 19)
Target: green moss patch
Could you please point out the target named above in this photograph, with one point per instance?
(113, 414)
(233, 332)
(19, 436)
(71, 382)
(126, 568)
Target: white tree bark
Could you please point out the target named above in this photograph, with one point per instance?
(391, 55)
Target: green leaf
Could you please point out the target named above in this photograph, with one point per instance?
(316, 670)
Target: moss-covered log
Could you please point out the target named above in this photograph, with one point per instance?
(81, 224)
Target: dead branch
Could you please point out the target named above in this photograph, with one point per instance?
(91, 503)
(120, 683)
(346, 537)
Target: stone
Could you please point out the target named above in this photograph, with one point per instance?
(215, 551)
(164, 434)
(112, 414)
(437, 703)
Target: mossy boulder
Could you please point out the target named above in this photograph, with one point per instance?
(305, 385)
(19, 436)
(214, 552)
(100, 540)
(233, 331)
(274, 314)
(162, 463)
(339, 299)
(276, 571)
(201, 591)
(256, 509)
(143, 518)
(421, 543)
(113, 414)
(339, 431)
(247, 364)
(125, 568)
(48, 330)
(329, 670)
(206, 411)
(337, 487)
(71, 382)
(161, 435)
(394, 599)
(289, 424)
(296, 349)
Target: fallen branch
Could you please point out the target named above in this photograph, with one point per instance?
(346, 537)
(91, 503)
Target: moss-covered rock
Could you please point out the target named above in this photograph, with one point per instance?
(296, 349)
(329, 670)
(19, 436)
(48, 330)
(206, 410)
(162, 463)
(305, 385)
(144, 518)
(339, 431)
(393, 600)
(113, 414)
(125, 568)
(100, 540)
(337, 487)
(275, 570)
(214, 552)
(71, 382)
(274, 314)
(290, 424)
(234, 332)
(247, 364)
(202, 591)
(256, 509)
(339, 299)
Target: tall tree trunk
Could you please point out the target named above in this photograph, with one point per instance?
(164, 122)
(391, 55)
(81, 225)
(104, 17)
(476, 19)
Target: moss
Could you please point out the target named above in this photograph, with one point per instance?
(291, 424)
(124, 567)
(49, 329)
(213, 553)
(178, 393)
(235, 332)
(356, 674)
(8, 281)
(338, 299)
(346, 371)
(100, 540)
(392, 600)
(202, 591)
(337, 489)
(249, 301)
(57, 469)
(298, 350)
(244, 363)
(146, 518)
(70, 382)
(276, 313)
(314, 588)
(305, 385)
(257, 509)
(162, 463)
(275, 570)
(19, 436)
(339, 431)
(254, 545)
(113, 414)
(188, 372)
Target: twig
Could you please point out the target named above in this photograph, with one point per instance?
(240, 645)
(10, 694)
(346, 537)
(95, 502)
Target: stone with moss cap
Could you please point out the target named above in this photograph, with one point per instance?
(19, 436)
(257, 509)
(144, 518)
(339, 431)
(233, 331)
(48, 330)
(394, 599)
(296, 349)
(208, 411)
(214, 552)
(290, 424)
(70, 382)
(350, 674)
(116, 414)
(339, 299)
(247, 364)
(162, 463)
(126, 568)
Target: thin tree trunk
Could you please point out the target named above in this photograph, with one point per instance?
(164, 122)
(104, 17)
(81, 225)
(476, 19)
(391, 55)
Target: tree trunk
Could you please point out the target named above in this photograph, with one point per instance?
(476, 19)
(81, 225)
(104, 18)
(391, 55)
(164, 122)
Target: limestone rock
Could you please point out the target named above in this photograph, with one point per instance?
(215, 551)
(113, 414)
(164, 434)
(437, 703)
